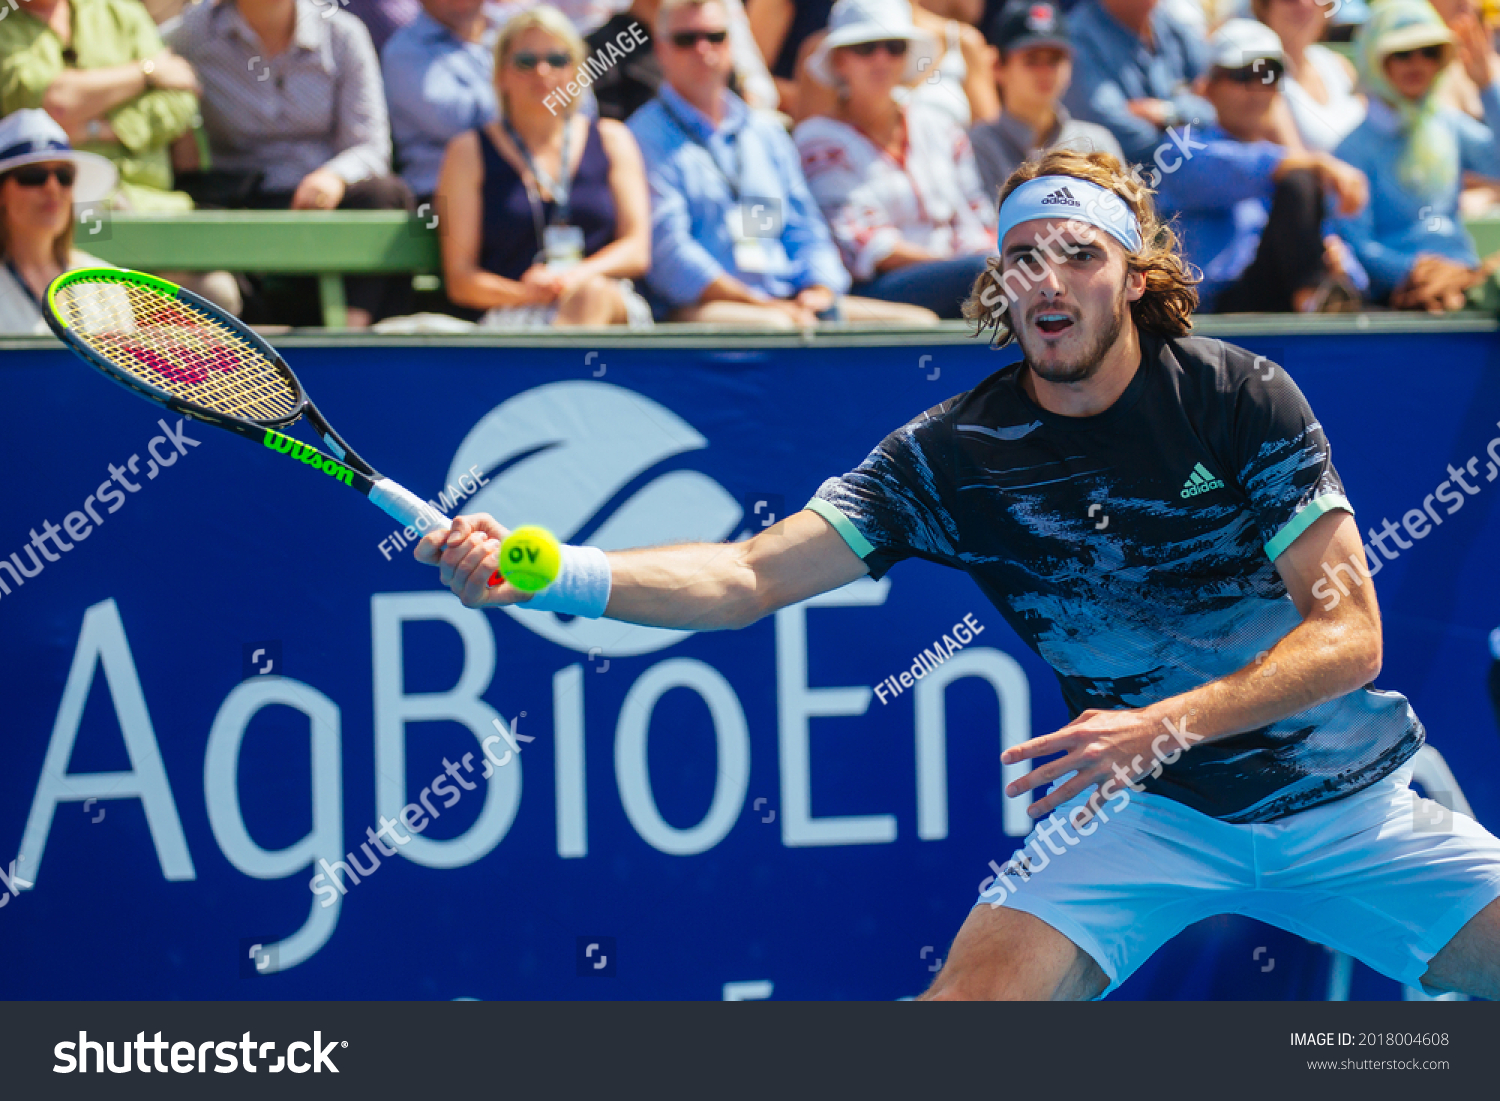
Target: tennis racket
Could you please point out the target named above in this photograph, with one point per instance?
(174, 348)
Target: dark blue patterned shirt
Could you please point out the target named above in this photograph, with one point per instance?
(1134, 552)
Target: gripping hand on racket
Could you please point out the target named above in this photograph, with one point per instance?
(466, 556)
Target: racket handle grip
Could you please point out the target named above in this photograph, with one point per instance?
(404, 505)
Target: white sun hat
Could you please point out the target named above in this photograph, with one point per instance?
(33, 137)
(854, 21)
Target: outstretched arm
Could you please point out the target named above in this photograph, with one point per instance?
(694, 586)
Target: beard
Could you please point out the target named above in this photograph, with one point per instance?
(1086, 363)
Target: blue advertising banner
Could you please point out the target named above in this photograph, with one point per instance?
(252, 749)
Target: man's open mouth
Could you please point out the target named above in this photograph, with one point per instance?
(1053, 323)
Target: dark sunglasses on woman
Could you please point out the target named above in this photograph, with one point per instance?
(528, 61)
(35, 175)
(1431, 53)
(896, 47)
(686, 40)
(1264, 71)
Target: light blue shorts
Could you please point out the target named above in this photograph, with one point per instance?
(1384, 875)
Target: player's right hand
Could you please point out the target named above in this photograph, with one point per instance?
(466, 556)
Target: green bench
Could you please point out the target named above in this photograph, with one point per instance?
(324, 244)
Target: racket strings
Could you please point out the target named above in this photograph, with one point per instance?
(171, 346)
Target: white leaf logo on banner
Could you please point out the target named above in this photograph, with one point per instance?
(564, 451)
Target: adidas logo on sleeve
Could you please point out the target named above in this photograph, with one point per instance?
(1201, 481)
(1061, 197)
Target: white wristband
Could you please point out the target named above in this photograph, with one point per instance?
(582, 585)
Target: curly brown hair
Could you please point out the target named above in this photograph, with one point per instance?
(1167, 306)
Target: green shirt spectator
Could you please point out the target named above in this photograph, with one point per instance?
(99, 68)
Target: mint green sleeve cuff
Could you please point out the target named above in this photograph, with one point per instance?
(843, 525)
(1284, 538)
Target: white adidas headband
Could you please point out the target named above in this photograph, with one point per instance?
(1069, 197)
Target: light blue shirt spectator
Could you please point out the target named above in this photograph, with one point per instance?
(700, 175)
(438, 86)
(1400, 224)
(1221, 195)
(1112, 66)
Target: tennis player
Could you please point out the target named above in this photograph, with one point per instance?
(1158, 516)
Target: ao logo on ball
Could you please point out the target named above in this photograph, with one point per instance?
(563, 452)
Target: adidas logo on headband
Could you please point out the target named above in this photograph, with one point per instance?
(1061, 197)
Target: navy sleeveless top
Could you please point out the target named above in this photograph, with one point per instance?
(509, 245)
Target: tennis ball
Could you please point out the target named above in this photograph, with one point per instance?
(530, 558)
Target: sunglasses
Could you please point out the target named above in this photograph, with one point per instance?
(35, 175)
(896, 47)
(686, 40)
(1430, 53)
(527, 61)
(1265, 71)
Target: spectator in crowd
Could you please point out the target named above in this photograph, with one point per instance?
(546, 210)
(382, 18)
(1251, 211)
(781, 29)
(956, 65)
(1135, 67)
(1414, 150)
(1480, 195)
(1455, 89)
(632, 71)
(624, 57)
(1318, 85)
(737, 237)
(99, 69)
(41, 177)
(295, 114)
(897, 184)
(439, 83)
(1032, 72)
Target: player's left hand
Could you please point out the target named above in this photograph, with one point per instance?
(1098, 746)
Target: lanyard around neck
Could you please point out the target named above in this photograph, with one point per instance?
(15, 273)
(736, 184)
(561, 188)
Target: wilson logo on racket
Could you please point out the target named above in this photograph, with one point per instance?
(309, 455)
(191, 358)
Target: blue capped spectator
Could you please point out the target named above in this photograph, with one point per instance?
(1032, 74)
(897, 182)
(1415, 150)
(737, 237)
(1252, 212)
(439, 82)
(1133, 71)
